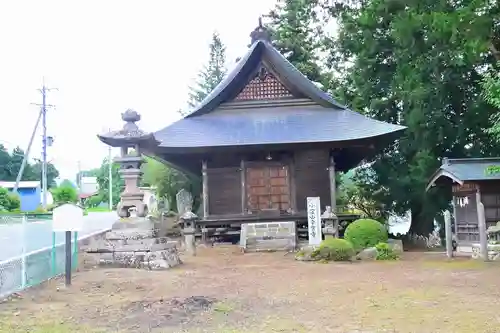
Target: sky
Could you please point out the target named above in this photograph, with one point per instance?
(105, 56)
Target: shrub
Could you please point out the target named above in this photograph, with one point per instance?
(335, 249)
(65, 194)
(9, 201)
(14, 202)
(385, 252)
(39, 210)
(365, 233)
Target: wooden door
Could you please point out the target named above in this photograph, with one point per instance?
(268, 188)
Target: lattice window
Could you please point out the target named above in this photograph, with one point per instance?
(264, 86)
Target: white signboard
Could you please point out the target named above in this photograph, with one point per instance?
(67, 217)
(314, 220)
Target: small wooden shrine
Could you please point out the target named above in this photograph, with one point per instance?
(472, 180)
(266, 138)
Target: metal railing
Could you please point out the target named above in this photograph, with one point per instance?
(30, 268)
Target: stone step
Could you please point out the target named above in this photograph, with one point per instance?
(157, 260)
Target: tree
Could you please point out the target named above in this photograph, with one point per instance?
(67, 183)
(211, 74)
(491, 93)
(356, 191)
(169, 181)
(65, 194)
(14, 165)
(417, 63)
(4, 161)
(10, 164)
(52, 173)
(103, 181)
(296, 28)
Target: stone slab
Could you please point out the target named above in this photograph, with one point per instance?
(396, 245)
(158, 260)
(130, 234)
(133, 223)
(272, 236)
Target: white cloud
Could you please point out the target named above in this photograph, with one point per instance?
(105, 57)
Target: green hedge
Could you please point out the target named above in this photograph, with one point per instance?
(364, 233)
(334, 249)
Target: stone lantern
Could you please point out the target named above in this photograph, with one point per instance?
(132, 142)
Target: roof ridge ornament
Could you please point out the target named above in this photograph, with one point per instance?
(260, 33)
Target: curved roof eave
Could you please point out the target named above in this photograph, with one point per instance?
(262, 51)
(443, 173)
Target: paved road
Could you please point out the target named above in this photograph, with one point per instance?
(39, 234)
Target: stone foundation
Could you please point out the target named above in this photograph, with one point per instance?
(133, 244)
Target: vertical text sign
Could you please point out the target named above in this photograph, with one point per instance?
(314, 220)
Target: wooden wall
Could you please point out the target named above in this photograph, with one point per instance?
(466, 217)
(490, 197)
(309, 168)
(224, 196)
(311, 177)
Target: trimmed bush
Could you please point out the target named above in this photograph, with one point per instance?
(334, 249)
(365, 233)
(385, 252)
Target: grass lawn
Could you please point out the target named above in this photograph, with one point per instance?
(224, 291)
(97, 209)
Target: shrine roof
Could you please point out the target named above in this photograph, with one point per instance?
(263, 52)
(296, 111)
(272, 125)
(461, 170)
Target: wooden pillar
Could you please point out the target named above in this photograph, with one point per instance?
(333, 194)
(204, 188)
(243, 187)
(454, 205)
(481, 223)
(292, 188)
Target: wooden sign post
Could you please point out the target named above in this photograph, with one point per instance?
(67, 218)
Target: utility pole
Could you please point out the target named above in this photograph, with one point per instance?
(79, 181)
(44, 107)
(42, 115)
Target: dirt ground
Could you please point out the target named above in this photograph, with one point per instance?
(222, 290)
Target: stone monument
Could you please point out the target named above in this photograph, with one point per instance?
(131, 140)
(133, 241)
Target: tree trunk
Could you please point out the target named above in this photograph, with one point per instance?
(421, 225)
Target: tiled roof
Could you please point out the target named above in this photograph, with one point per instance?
(466, 169)
(273, 125)
(263, 52)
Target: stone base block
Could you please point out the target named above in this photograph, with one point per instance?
(396, 245)
(157, 260)
(493, 251)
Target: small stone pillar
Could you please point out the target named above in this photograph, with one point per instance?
(131, 140)
(188, 230)
(331, 220)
